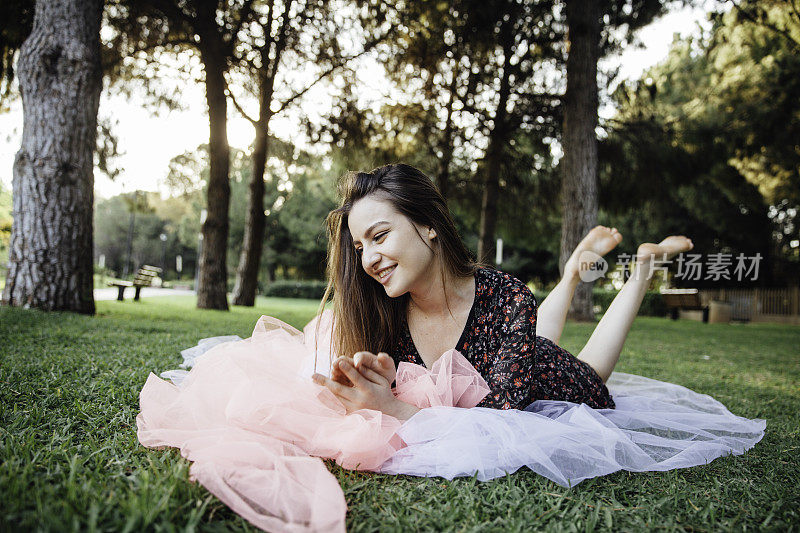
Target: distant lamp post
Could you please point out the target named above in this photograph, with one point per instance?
(129, 244)
(203, 215)
(163, 238)
(101, 264)
(499, 257)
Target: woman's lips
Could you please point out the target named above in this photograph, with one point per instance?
(384, 279)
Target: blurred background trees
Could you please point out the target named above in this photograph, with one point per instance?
(473, 93)
(297, 199)
(707, 143)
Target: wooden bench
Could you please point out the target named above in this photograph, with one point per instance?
(683, 299)
(144, 278)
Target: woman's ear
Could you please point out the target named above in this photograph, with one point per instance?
(431, 233)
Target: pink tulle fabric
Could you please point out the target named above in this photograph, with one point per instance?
(255, 426)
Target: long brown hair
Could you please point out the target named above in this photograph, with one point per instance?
(364, 317)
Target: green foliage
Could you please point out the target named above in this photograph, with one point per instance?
(447, 59)
(69, 453)
(313, 290)
(704, 145)
(16, 21)
(652, 303)
(302, 217)
(298, 197)
(755, 74)
(152, 217)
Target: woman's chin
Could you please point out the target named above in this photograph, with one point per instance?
(392, 291)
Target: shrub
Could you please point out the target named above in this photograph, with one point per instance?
(296, 289)
(652, 304)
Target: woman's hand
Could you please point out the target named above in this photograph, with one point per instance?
(370, 389)
(336, 373)
(381, 364)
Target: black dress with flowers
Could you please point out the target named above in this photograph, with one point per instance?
(500, 341)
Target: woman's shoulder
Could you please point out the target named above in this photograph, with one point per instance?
(504, 288)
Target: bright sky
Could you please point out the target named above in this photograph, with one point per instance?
(149, 142)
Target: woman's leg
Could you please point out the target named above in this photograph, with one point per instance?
(605, 345)
(552, 311)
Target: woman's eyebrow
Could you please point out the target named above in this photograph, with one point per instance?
(371, 228)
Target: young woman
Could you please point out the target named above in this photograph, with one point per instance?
(255, 425)
(405, 288)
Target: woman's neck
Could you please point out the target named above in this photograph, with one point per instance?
(429, 301)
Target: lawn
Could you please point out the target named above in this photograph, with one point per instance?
(69, 458)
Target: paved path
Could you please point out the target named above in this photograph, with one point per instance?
(111, 293)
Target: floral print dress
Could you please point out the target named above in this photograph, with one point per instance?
(500, 341)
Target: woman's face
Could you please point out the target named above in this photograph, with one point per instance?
(392, 248)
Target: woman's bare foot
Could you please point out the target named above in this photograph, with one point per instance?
(665, 250)
(600, 240)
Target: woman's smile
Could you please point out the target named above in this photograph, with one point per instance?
(386, 273)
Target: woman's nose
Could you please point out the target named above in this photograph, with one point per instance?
(371, 258)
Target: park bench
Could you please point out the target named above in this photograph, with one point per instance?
(683, 299)
(144, 278)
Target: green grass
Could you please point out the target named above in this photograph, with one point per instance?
(69, 458)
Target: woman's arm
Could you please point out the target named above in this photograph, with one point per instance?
(509, 378)
(370, 390)
(511, 375)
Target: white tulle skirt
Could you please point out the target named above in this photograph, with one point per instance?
(655, 426)
(255, 426)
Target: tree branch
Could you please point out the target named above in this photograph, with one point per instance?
(321, 77)
(762, 21)
(238, 107)
(152, 46)
(333, 68)
(244, 17)
(168, 42)
(795, 9)
(543, 96)
(172, 12)
(281, 44)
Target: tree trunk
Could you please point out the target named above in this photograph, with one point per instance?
(494, 159)
(443, 176)
(244, 292)
(60, 78)
(491, 190)
(579, 165)
(446, 146)
(212, 290)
